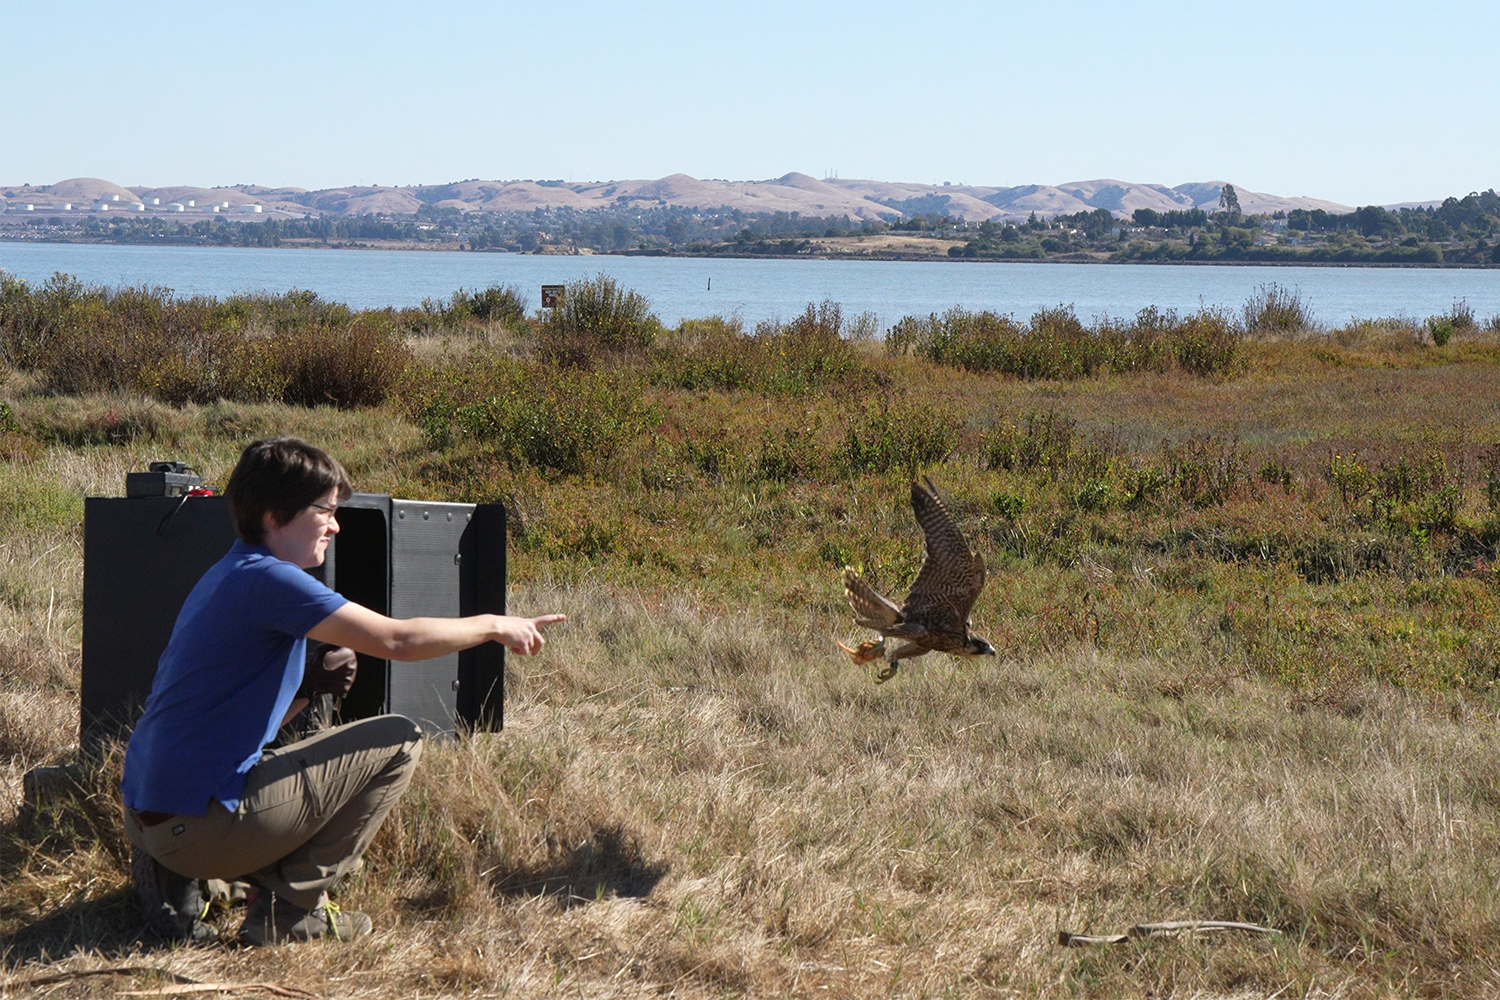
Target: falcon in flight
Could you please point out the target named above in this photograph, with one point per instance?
(935, 616)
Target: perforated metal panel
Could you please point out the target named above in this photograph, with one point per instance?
(426, 570)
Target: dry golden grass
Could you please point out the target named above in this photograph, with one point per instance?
(696, 796)
(706, 805)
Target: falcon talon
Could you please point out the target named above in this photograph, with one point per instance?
(865, 652)
(935, 615)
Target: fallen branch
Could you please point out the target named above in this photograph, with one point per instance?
(118, 970)
(184, 985)
(175, 991)
(1071, 940)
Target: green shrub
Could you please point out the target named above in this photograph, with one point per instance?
(503, 304)
(1461, 315)
(1205, 343)
(807, 353)
(1093, 495)
(567, 421)
(596, 320)
(30, 320)
(105, 340)
(350, 366)
(298, 309)
(897, 436)
(708, 354)
(1489, 461)
(293, 348)
(1056, 345)
(1203, 471)
(792, 454)
(1440, 329)
(1009, 505)
(1141, 486)
(1274, 309)
(798, 357)
(974, 341)
(1038, 441)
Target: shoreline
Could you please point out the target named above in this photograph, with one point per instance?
(389, 246)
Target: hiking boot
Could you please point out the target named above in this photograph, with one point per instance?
(173, 905)
(273, 921)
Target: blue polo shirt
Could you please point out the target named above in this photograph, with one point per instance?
(226, 679)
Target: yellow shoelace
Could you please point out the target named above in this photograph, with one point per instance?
(330, 914)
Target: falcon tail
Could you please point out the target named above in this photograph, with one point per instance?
(870, 609)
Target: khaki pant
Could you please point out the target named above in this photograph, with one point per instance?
(307, 814)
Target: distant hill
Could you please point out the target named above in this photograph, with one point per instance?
(793, 192)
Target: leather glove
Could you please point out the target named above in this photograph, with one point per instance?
(328, 670)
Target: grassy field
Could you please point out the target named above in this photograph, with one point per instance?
(1243, 582)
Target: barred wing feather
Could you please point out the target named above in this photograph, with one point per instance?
(951, 577)
(870, 608)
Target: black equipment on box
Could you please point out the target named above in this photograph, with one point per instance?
(403, 558)
(165, 479)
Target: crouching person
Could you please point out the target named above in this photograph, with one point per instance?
(203, 795)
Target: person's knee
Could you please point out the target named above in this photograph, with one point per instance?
(402, 735)
(394, 731)
(405, 732)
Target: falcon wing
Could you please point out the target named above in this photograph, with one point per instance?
(871, 610)
(951, 577)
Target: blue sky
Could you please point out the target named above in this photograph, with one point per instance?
(1355, 102)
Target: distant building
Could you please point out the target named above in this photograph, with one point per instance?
(103, 206)
(252, 209)
(176, 206)
(63, 206)
(138, 206)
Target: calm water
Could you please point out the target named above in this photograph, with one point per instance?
(763, 289)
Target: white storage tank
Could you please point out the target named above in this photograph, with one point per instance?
(63, 206)
(190, 203)
(153, 201)
(252, 209)
(176, 206)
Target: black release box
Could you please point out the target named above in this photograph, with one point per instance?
(403, 558)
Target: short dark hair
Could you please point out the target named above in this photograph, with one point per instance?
(283, 476)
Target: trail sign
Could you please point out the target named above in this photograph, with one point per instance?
(551, 296)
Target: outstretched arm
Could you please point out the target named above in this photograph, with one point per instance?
(407, 639)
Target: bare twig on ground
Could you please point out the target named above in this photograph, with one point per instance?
(1072, 940)
(272, 988)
